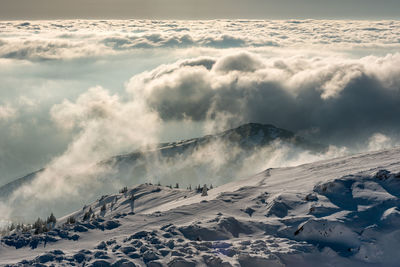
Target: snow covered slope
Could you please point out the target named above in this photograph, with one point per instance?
(140, 165)
(339, 212)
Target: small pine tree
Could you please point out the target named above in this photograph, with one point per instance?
(39, 226)
(190, 187)
(204, 191)
(104, 208)
(87, 214)
(71, 220)
(51, 219)
(211, 186)
(176, 185)
(11, 227)
(123, 190)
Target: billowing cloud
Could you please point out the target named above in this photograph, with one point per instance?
(339, 97)
(380, 141)
(106, 126)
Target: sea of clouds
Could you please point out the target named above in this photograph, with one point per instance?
(74, 93)
(43, 40)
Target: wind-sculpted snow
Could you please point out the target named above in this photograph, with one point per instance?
(41, 40)
(339, 212)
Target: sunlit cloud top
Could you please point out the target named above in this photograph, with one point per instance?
(37, 40)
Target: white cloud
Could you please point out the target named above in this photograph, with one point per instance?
(73, 39)
(379, 141)
(106, 126)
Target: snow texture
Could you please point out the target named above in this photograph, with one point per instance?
(336, 212)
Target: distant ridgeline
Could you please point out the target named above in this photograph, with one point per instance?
(247, 138)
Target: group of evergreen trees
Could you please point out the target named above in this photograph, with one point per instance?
(71, 220)
(88, 214)
(42, 226)
(203, 190)
(19, 228)
(38, 227)
(199, 189)
(124, 190)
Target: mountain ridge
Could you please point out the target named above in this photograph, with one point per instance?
(248, 136)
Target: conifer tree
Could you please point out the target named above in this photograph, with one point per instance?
(204, 191)
(132, 202)
(51, 219)
(103, 208)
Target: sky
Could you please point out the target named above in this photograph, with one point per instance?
(196, 9)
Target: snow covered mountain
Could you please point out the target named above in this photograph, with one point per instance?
(176, 159)
(339, 212)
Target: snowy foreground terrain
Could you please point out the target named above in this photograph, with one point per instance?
(340, 212)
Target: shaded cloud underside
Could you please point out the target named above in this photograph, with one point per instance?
(336, 96)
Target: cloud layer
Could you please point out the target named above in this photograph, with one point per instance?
(38, 40)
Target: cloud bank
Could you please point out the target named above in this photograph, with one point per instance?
(44, 40)
(336, 97)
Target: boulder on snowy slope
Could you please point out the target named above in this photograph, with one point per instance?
(333, 234)
(224, 229)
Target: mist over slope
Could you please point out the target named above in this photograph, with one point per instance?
(216, 159)
(331, 79)
(336, 212)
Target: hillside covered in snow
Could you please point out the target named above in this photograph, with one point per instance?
(216, 159)
(338, 212)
